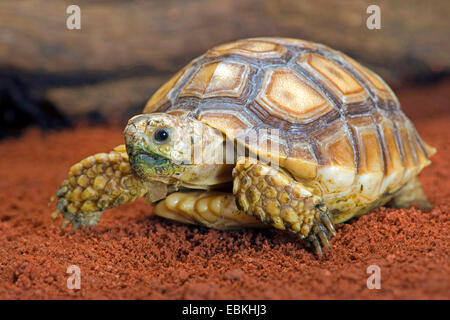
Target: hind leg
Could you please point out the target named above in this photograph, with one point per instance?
(216, 210)
(411, 194)
(278, 200)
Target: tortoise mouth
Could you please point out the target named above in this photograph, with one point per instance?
(147, 159)
(149, 166)
(145, 163)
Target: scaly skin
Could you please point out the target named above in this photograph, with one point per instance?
(97, 183)
(277, 199)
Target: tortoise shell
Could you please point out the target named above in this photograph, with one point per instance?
(340, 124)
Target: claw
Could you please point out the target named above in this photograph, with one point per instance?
(54, 214)
(317, 246)
(321, 232)
(64, 224)
(324, 239)
(75, 225)
(328, 223)
(51, 200)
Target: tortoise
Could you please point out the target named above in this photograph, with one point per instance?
(259, 132)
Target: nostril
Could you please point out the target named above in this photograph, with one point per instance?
(131, 128)
(137, 119)
(137, 123)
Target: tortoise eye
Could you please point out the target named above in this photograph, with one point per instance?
(161, 135)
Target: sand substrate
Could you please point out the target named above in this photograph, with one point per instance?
(133, 254)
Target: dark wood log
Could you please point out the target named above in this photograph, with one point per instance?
(126, 49)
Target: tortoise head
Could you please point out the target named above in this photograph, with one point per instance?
(176, 150)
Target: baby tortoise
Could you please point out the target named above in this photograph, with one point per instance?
(303, 135)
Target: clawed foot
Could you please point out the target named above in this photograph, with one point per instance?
(322, 231)
(95, 184)
(77, 220)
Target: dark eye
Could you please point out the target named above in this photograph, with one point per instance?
(161, 135)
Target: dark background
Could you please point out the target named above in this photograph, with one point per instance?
(125, 50)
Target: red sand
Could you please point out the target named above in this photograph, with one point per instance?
(132, 254)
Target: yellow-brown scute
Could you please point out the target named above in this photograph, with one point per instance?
(252, 48)
(217, 79)
(286, 95)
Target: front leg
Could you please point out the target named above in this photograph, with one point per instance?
(275, 198)
(97, 183)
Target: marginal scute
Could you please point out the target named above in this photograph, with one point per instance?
(337, 169)
(417, 144)
(392, 157)
(370, 160)
(288, 96)
(409, 157)
(217, 79)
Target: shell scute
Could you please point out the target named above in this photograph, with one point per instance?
(302, 161)
(217, 79)
(370, 157)
(393, 163)
(288, 96)
(231, 123)
(407, 150)
(338, 76)
(255, 49)
(387, 98)
(334, 145)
